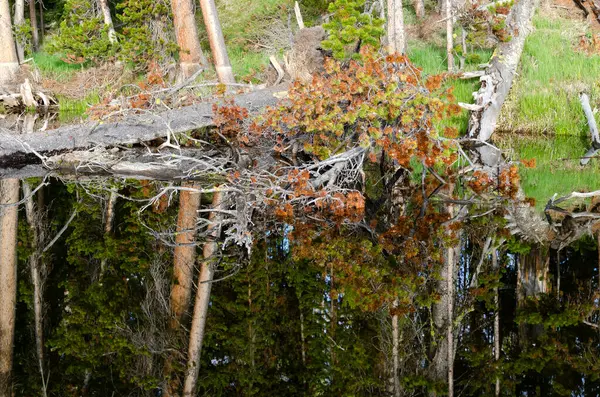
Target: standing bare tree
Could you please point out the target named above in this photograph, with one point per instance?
(9, 195)
(217, 42)
(112, 35)
(9, 62)
(19, 20)
(395, 28)
(191, 57)
(420, 8)
(34, 25)
(449, 34)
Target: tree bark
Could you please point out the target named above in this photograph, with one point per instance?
(532, 280)
(396, 350)
(591, 120)
(42, 25)
(184, 256)
(108, 225)
(496, 322)
(395, 28)
(9, 62)
(33, 216)
(9, 194)
(497, 81)
(131, 130)
(420, 8)
(449, 35)
(35, 37)
(443, 319)
(191, 57)
(19, 20)
(217, 42)
(203, 298)
(112, 35)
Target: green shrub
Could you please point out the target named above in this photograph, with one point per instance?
(82, 37)
(349, 26)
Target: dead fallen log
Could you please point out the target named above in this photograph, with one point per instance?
(595, 136)
(27, 97)
(498, 78)
(19, 150)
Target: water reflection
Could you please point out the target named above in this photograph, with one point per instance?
(94, 305)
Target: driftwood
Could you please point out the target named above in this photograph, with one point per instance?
(17, 151)
(26, 97)
(589, 114)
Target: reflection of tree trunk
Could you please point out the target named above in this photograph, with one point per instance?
(532, 280)
(9, 193)
(217, 42)
(34, 26)
(443, 320)
(34, 219)
(496, 322)
(19, 21)
(108, 226)
(396, 350)
(112, 35)
(184, 256)
(203, 297)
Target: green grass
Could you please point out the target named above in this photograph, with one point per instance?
(544, 97)
(543, 118)
(52, 66)
(432, 59)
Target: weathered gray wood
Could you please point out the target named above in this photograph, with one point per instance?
(18, 150)
(498, 78)
(589, 115)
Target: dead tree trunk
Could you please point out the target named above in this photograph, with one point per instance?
(108, 225)
(112, 35)
(203, 297)
(42, 25)
(9, 194)
(420, 8)
(589, 115)
(496, 322)
(443, 320)
(19, 21)
(532, 280)
(498, 78)
(185, 252)
(191, 57)
(217, 42)
(395, 28)
(33, 216)
(9, 62)
(396, 350)
(449, 35)
(35, 37)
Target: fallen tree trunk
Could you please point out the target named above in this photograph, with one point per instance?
(20, 150)
(589, 114)
(498, 78)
